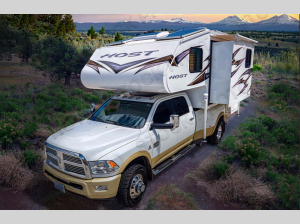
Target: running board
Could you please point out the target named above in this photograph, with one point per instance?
(168, 162)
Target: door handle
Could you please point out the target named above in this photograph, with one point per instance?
(192, 118)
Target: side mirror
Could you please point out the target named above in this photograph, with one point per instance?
(174, 119)
(92, 108)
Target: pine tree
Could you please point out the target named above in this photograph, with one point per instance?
(92, 33)
(102, 31)
(118, 37)
(69, 23)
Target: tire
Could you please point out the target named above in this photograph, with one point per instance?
(127, 194)
(216, 137)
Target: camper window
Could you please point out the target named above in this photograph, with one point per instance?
(248, 58)
(196, 60)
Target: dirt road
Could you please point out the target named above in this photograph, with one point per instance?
(45, 196)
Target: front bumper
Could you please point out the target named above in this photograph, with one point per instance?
(84, 187)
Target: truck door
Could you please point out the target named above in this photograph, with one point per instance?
(187, 119)
(163, 140)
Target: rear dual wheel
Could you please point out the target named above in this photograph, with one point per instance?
(216, 137)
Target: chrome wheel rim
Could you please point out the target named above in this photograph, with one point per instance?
(219, 134)
(137, 186)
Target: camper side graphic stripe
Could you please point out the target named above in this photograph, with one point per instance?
(241, 81)
(117, 67)
(248, 71)
(245, 85)
(239, 62)
(233, 73)
(235, 53)
(94, 65)
(200, 78)
(155, 62)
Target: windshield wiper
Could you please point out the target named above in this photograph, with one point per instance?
(114, 122)
(98, 119)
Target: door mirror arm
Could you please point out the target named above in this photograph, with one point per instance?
(174, 119)
(92, 108)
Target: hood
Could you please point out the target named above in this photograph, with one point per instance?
(93, 139)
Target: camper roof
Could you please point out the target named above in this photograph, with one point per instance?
(161, 36)
(183, 33)
(232, 37)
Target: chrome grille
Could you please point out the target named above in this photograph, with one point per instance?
(72, 159)
(53, 152)
(68, 162)
(74, 169)
(52, 160)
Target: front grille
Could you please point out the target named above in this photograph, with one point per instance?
(74, 169)
(52, 160)
(72, 159)
(51, 151)
(67, 162)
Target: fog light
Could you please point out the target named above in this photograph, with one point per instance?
(100, 188)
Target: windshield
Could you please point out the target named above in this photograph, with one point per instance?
(124, 113)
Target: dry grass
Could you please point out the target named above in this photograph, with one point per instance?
(170, 197)
(240, 187)
(13, 173)
(235, 186)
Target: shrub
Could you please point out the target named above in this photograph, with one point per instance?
(238, 186)
(105, 96)
(9, 131)
(30, 157)
(256, 68)
(220, 168)
(13, 173)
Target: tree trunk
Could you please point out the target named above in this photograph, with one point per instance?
(27, 57)
(68, 79)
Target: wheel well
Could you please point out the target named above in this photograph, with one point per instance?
(223, 119)
(143, 160)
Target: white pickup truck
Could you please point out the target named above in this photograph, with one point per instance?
(134, 136)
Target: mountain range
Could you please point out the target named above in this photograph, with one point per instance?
(276, 23)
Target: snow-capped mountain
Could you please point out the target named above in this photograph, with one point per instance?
(175, 20)
(276, 23)
(283, 19)
(232, 20)
(180, 20)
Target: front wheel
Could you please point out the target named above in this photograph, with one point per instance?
(132, 185)
(216, 137)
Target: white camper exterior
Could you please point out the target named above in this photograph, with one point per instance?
(179, 87)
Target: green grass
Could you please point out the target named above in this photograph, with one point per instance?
(284, 97)
(273, 145)
(286, 63)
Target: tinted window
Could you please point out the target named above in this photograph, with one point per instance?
(180, 105)
(123, 113)
(195, 60)
(162, 113)
(248, 58)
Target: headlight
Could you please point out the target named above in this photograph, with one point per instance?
(103, 167)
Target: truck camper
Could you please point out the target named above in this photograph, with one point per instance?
(178, 88)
